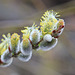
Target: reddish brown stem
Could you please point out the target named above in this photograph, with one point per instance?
(1, 62)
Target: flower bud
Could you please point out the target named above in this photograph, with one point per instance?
(26, 47)
(35, 36)
(48, 38)
(60, 22)
(46, 46)
(60, 27)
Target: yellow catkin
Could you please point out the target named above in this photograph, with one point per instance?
(4, 44)
(25, 40)
(14, 39)
(2, 48)
(2, 51)
(48, 22)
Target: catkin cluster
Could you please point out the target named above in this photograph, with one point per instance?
(43, 37)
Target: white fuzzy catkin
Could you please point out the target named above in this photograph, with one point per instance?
(18, 47)
(46, 46)
(6, 57)
(26, 50)
(24, 58)
(35, 36)
(6, 64)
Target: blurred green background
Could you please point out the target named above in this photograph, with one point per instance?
(15, 14)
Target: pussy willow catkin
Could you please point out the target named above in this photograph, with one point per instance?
(43, 37)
